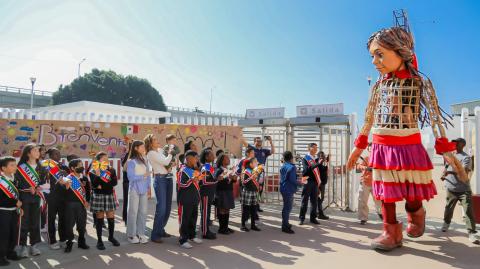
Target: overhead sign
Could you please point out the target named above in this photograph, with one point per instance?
(266, 113)
(320, 110)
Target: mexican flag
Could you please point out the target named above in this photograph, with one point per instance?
(129, 129)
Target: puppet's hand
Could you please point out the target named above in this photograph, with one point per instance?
(352, 160)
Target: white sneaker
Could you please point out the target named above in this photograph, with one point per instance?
(186, 245)
(23, 252)
(62, 244)
(196, 240)
(34, 251)
(474, 238)
(445, 227)
(143, 239)
(133, 240)
(55, 246)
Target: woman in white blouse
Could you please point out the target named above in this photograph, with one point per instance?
(162, 161)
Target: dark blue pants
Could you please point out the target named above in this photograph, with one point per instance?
(287, 208)
(163, 187)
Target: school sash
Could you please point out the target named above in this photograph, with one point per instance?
(208, 168)
(52, 168)
(250, 173)
(32, 178)
(29, 174)
(78, 189)
(8, 188)
(191, 174)
(106, 176)
(311, 162)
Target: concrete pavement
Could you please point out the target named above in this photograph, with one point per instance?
(338, 243)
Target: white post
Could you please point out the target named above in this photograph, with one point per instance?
(464, 130)
(354, 180)
(477, 150)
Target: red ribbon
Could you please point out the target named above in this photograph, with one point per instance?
(442, 145)
(361, 142)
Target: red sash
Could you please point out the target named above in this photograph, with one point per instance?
(316, 172)
(78, 189)
(8, 188)
(250, 178)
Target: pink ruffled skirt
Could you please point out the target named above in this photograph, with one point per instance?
(402, 169)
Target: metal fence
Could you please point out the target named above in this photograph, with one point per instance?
(334, 140)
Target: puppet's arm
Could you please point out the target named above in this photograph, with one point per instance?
(362, 140)
(442, 146)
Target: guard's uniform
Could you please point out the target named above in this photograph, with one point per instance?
(310, 189)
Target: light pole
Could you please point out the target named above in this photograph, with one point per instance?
(369, 79)
(32, 79)
(83, 60)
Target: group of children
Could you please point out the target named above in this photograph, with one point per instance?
(203, 181)
(39, 188)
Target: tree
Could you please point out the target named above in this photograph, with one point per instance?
(112, 88)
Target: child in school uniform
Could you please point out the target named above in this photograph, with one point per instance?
(224, 195)
(76, 196)
(103, 179)
(29, 177)
(249, 194)
(10, 211)
(188, 199)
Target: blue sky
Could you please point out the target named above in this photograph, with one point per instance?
(253, 53)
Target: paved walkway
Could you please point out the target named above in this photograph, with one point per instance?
(338, 243)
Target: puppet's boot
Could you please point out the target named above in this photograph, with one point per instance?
(416, 223)
(391, 237)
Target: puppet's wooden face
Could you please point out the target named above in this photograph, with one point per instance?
(385, 60)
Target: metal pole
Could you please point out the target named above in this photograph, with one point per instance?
(83, 60)
(32, 80)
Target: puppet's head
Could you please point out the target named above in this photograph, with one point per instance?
(393, 52)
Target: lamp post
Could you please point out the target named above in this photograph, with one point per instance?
(369, 79)
(32, 80)
(83, 60)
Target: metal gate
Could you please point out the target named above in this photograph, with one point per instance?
(331, 139)
(273, 164)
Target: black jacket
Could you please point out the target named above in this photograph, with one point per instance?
(107, 187)
(308, 171)
(223, 182)
(188, 189)
(208, 184)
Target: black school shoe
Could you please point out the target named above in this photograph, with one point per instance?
(314, 221)
(68, 248)
(255, 228)
(83, 245)
(114, 242)
(245, 229)
(210, 236)
(288, 230)
(100, 245)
